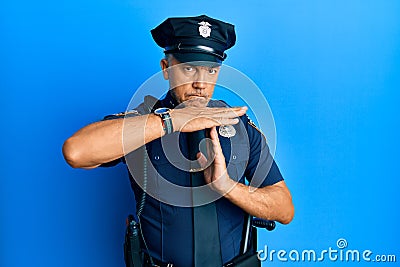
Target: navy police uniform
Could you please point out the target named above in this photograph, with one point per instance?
(167, 228)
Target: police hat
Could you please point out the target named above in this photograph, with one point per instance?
(198, 38)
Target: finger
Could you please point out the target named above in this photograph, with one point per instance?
(214, 135)
(228, 112)
(201, 159)
(219, 158)
(215, 142)
(233, 110)
(238, 111)
(225, 121)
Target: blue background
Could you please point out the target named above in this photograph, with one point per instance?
(329, 69)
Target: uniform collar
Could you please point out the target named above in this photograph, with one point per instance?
(168, 101)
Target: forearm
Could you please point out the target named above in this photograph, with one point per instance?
(108, 140)
(270, 202)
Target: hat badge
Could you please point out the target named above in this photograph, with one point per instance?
(204, 29)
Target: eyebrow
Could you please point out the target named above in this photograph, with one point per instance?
(195, 66)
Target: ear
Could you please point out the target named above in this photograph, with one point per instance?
(164, 66)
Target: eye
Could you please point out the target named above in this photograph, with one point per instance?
(212, 71)
(188, 68)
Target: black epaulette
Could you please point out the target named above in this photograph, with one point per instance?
(127, 113)
(252, 124)
(150, 103)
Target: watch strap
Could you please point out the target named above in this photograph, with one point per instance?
(167, 123)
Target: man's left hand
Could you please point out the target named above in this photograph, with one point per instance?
(216, 175)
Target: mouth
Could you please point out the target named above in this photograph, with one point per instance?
(195, 96)
(196, 100)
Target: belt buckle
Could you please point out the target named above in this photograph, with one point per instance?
(168, 265)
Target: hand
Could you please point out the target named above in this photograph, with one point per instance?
(216, 175)
(191, 119)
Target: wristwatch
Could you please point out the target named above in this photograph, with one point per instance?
(166, 119)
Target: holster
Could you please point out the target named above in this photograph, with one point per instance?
(133, 255)
(250, 258)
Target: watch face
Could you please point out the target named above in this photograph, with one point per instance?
(161, 111)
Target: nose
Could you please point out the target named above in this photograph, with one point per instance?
(199, 81)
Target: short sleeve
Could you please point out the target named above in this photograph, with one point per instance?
(121, 115)
(261, 169)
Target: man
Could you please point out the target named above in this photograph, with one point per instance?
(168, 223)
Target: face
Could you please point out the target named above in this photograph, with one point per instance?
(189, 82)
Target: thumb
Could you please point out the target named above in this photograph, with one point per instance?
(202, 160)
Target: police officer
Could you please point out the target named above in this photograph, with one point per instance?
(169, 228)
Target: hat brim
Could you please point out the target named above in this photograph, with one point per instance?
(197, 58)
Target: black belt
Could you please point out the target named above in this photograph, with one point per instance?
(156, 263)
(234, 262)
